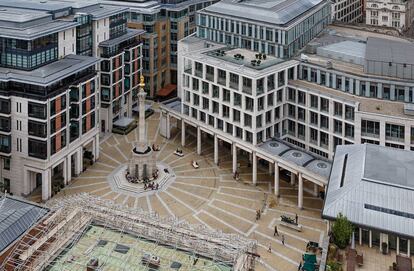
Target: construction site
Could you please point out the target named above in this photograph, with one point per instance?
(83, 232)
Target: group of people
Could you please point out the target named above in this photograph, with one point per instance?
(155, 147)
(236, 175)
(134, 179)
(179, 151)
(258, 214)
(151, 185)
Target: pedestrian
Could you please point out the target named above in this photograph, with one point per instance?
(300, 266)
(283, 239)
(270, 248)
(296, 218)
(276, 232)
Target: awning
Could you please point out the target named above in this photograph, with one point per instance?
(123, 122)
(136, 108)
(167, 90)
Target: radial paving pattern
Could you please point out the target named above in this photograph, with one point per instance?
(210, 196)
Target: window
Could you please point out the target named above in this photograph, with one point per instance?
(370, 128)
(6, 163)
(394, 132)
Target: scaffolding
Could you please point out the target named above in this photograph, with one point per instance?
(66, 233)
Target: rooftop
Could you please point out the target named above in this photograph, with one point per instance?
(131, 33)
(277, 12)
(16, 217)
(244, 57)
(219, 55)
(373, 187)
(348, 49)
(391, 51)
(50, 73)
(368, 105)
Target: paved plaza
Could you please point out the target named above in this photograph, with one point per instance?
(209, 195)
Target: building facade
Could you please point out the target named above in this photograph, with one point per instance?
(398, 14)
(52, 105)
(281, 31)
(347, 11)
(346, 87)
(165, 23)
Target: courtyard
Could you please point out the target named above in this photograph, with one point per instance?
(210, 196)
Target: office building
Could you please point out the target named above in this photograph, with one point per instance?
(165, 23)
(51, 100)
(278, 28)
(398, 14)
(347, 11)
(345, 87)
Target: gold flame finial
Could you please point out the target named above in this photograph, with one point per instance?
(142, 82)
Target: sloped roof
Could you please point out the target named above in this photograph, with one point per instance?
(16, 217)
(373, 187)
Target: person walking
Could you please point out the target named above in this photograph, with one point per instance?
(283, 239)
(296, 218)
(270, 248)
(300, 266)
(276, 232)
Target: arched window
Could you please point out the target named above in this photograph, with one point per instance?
(396, 7)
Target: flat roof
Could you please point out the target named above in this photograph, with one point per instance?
(131, 33)
(17, 15)
(391, 51)
(206, 52)
(373, 187)
(229, 55)
(16, 217)
(278, 12)
(50, 73)
(365, 104)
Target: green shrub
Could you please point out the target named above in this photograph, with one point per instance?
(342, 231)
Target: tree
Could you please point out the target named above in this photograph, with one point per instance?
(341, 231)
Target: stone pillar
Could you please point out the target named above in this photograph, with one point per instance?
(234, 147)
(68, 169)
(270, 168)
(360, 236)
(370, 238)
(182, 133)
(292, 178)
(65, 172)
(198, 140)
(46, 185)
(216, 150)
(408, 248)
(96, 142)
(168, 128)
(300, 191)
(277, 181)
(315, 189)
(398, 245)
(254, 166)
